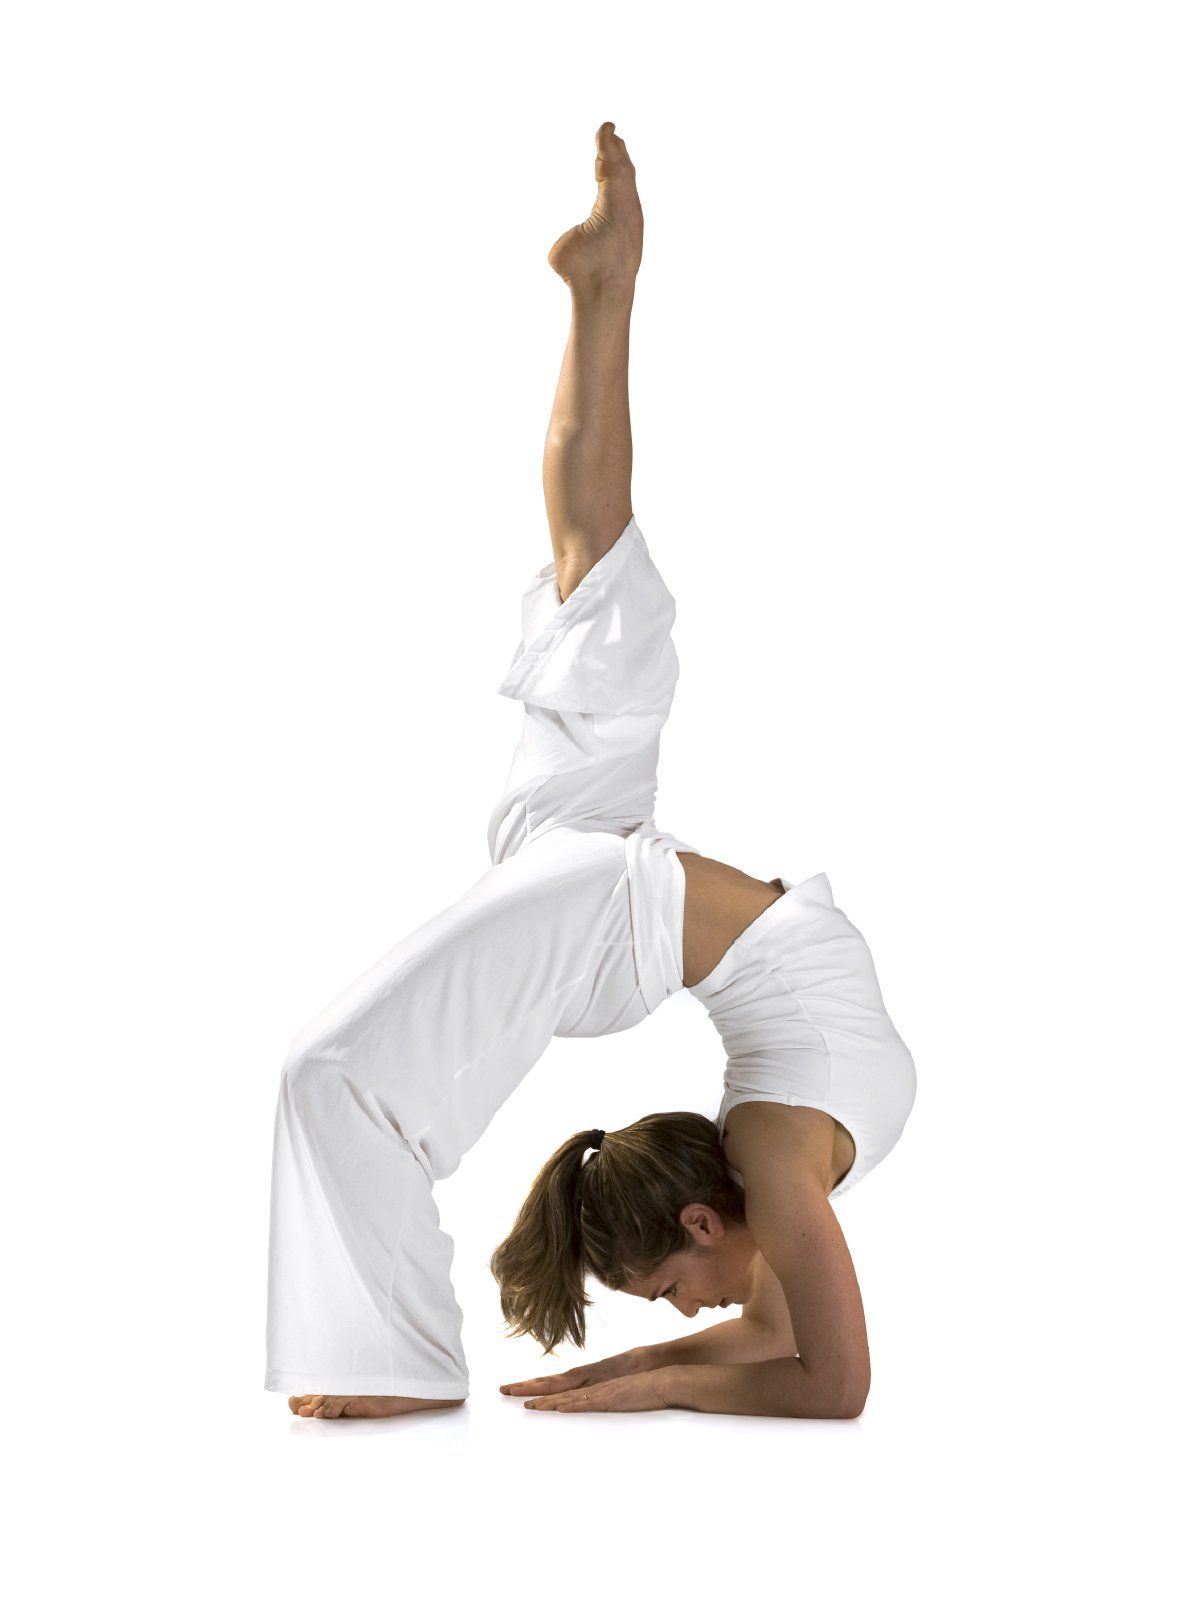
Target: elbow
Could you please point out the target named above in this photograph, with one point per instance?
(849, 1406)
(853, 1397)
(841, 1392)
(847, 1397)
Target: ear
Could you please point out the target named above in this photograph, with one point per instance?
(701, 1222)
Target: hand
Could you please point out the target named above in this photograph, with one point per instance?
(634, 1392)
(595, 1372)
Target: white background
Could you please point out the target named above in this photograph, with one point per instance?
(279, 346)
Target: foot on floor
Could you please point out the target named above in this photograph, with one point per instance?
(360, 1406)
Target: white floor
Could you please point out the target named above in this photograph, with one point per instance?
(938, 1500)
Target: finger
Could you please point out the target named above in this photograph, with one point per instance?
(562, 1403)
(552, 1384)
(596, 1398)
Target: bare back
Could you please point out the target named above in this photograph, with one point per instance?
(720, 904)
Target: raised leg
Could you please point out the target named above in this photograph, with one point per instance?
(588, 457)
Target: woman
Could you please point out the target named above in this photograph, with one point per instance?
(588, 919)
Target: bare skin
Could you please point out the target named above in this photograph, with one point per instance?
(587, 472)
(720, 903)
(360, 1406)
(588, 455)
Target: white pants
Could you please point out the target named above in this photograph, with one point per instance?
(576, 930)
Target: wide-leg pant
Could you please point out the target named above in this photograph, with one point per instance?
(575, 930)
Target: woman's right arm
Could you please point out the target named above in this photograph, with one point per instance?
(762, 1332)
(735, 1340)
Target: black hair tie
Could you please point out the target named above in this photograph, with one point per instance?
(596, 1138)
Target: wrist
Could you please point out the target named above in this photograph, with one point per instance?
(646, 1358)
(671, 1383)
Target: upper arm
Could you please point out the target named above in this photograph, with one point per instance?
(784, 1156)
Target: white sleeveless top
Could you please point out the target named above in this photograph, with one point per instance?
(797, 1004)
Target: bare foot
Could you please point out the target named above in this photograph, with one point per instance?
(359, 1406)
(607, 246)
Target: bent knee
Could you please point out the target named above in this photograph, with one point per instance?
(326, 1089)
(313, 1083)
(577, 558)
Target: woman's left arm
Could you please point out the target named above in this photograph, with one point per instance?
(784, 1155)
(755, 1389)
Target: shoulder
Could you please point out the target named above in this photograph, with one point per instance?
(760, 1137)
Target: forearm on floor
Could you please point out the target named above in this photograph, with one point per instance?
(782, 1387)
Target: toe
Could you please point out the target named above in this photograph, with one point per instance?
(611, 148)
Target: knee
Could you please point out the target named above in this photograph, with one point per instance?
(311, 1084)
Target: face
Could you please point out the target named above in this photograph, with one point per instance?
(714, 1272)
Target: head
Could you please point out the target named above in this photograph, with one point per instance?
(652, 1212)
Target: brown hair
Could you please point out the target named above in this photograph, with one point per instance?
(616, 1216)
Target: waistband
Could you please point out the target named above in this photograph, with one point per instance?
(658, 888)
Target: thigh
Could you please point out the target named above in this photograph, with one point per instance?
(479, 990)
(596, 676)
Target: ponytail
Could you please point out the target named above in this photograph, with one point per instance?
(539, 1266)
